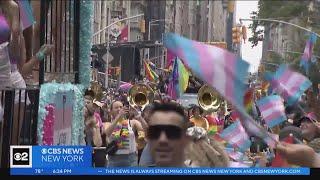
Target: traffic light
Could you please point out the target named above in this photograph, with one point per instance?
(143, 26)
(231, 6)
(236, 35)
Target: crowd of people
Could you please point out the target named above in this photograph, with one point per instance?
(164, 133)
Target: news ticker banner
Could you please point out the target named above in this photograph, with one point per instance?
(159, 171)
(77, 160)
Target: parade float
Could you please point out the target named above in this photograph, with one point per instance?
(60, 116)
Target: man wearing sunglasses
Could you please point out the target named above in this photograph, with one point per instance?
(167, 135)
(310, 129)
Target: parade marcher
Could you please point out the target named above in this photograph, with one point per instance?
(310, 129)
(167, 135)
(197, 118)
(121, 131)
(162, 85)
(145, 157)
(94, 131)
(299, 154)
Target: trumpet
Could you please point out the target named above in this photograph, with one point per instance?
(140, 95)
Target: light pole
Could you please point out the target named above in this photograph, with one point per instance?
(283, 22)
(108, 45)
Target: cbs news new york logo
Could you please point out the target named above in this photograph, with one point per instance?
(20, 156)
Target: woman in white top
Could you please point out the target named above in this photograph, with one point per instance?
(122, 131)
(12, 60)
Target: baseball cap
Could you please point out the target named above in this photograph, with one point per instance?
(311, 116)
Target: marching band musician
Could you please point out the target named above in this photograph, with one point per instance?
(197, 118)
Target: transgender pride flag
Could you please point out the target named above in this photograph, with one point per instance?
(236, 135)
(307, 53)
(272, 110)
(221, 69)
(26, 14)
(288, 84)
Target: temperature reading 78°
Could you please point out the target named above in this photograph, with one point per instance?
(38, 171)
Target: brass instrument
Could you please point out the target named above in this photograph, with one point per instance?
(140, 95)
(209, 99)
(200, 122)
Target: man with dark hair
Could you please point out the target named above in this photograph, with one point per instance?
(167, 134)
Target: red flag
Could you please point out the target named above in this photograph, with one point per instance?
(124, 34)
(278, 161)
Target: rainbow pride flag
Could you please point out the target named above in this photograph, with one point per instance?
(150, 74)
(26, 14)
(179, 79)
(248, 100)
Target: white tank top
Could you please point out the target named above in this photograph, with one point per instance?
(130, 145)
(5, 67)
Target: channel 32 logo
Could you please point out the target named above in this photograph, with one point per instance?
(20, 156)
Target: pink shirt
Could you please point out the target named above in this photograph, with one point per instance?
(98, 119)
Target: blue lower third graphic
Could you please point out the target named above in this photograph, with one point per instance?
(160, 171)
(61, 156)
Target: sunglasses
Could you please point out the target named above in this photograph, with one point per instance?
(172, 132)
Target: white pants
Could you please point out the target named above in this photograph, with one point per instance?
(17, 81)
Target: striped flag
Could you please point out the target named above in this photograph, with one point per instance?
(26, 14)
(307, 53)
(222, 70)
(272, 110)
(236, 135)
(216, 66)
(235, 155)
(213, 124)
(288, 84)
(178, 81)
(254, 129)
(248, 100)
(150, 74)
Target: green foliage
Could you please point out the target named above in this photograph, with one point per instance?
(275, 10)
(285, 10)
